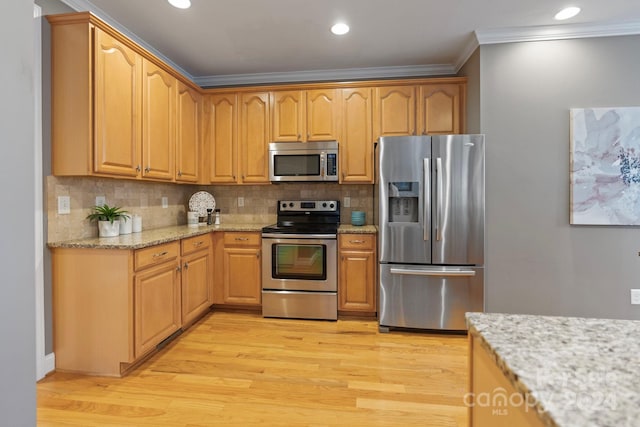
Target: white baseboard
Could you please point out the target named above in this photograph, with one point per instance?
(49, 363)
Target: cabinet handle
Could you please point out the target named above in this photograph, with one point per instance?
(160, 254)
(138, 168)
(343, 175)
(234, 177)
(179, 173)
(242, 239)
(243, 177)
(178, 268)
(308, 136)
(186, 265)
(356, 241)
(147, 169)
(299, 137)
(258, 255)
(198, 244)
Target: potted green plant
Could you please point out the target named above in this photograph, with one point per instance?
(108, 218)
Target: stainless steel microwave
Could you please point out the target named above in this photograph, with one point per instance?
(303, 161)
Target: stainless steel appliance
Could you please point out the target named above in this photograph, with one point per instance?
(299, 263)
(430, 213)
(304, 161)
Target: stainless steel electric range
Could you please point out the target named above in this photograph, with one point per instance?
(299, 264)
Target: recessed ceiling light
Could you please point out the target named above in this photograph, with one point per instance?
(181, 4)
(340, 28)
(566, 13)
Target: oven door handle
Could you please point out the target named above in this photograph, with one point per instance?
(298, 236)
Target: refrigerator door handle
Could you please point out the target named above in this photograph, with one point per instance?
(427, 196)
(438, 273)
(439, 207)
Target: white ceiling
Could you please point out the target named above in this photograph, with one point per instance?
(219, 42)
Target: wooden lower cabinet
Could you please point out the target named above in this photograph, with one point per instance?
(238, 269)
(492, 399)
(357, 288)
(112, 307)
(157, 306)
(197, 277)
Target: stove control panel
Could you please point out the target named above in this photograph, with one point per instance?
(308, 206)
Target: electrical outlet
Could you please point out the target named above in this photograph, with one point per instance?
(165, 202)
(346, 202)
(101, 200)
(64, 205)
(635, 296)
(240, 202)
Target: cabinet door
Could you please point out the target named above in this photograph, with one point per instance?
(117, 133)
(187, 134)
(222, 137)
(356, 145)
(254, 137)
(323, 114)
(158, 122)
(242, 280)
(196, 285)
(288, 114)
(157, 306)
(357, 285)
(439, 109)
(394, 111)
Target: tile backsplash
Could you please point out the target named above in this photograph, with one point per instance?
(145, 199)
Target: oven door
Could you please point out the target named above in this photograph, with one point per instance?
(299, 263)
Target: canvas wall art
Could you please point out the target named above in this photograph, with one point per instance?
(605, 166)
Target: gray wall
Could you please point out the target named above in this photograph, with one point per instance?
(536, 262)
(17, 300)
(49, 7)
(471, 70)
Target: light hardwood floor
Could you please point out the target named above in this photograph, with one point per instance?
(240, 369)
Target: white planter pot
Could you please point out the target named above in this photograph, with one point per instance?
(108, 229)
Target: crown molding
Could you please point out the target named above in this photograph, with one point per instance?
(556, 32)
(466, 53)
(84, 5)
(326, 75)
(491, 36)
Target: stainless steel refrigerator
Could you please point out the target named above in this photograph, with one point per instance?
(430, 216)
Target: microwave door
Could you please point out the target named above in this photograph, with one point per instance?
(404, 202)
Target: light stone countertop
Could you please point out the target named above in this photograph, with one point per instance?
(581, 372)
(152, 237)
(168, 234)
(357, 229)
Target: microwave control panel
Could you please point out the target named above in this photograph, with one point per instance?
(332, 164)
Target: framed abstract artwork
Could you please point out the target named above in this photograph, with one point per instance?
(605, 166)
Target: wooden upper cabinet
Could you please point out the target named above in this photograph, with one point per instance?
(187, 134)
(254, 137)
(440, 109)
(288, 115)
(356, 144)
(394, 111)
(323, 115)
(117, 133)
(221, 137)
(158, 122)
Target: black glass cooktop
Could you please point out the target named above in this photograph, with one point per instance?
(292, 228)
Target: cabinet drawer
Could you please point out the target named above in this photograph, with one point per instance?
(357, 241)
(241, 239)
(155, 255)
(196, 243)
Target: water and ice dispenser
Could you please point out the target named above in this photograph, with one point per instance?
(404, 198)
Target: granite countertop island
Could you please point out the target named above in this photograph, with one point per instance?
(579, 372)
(168, 234)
